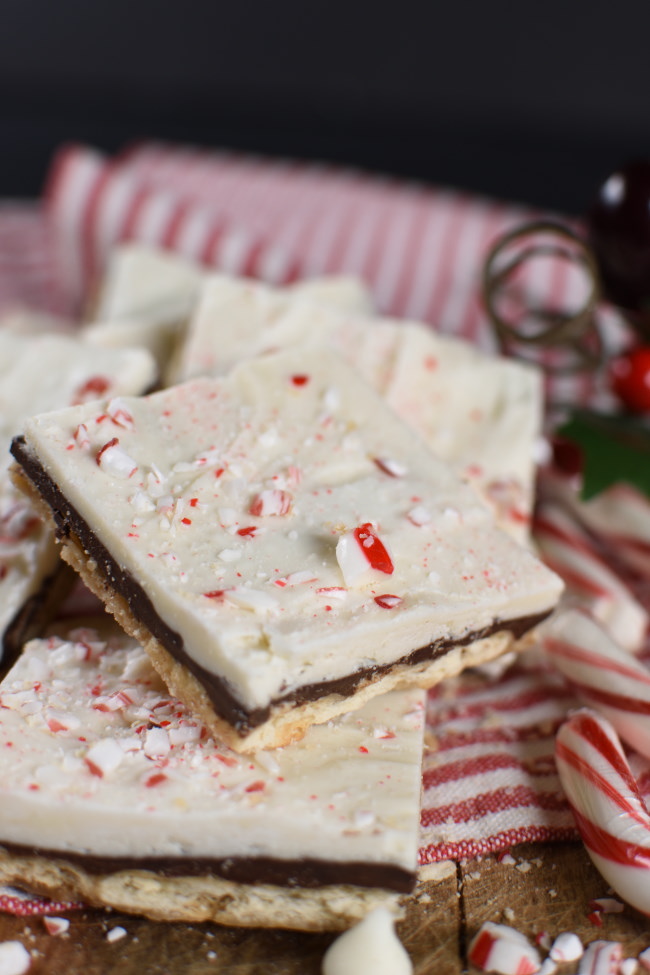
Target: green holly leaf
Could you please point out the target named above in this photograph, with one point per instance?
(615, 447)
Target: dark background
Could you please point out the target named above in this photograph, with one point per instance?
(530, 101)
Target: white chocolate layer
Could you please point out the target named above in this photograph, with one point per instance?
(96, 758)
(37, 373)
(236, 318)
(147, 284)
(242, 506)
(481, 413)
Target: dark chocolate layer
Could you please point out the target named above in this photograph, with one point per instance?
(70, 524)
(307, 873)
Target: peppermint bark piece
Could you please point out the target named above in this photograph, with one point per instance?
(282, 544)
(112, 792)
(482, 413)
(236, 318)
(43, 372)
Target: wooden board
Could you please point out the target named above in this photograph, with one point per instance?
(548, 889)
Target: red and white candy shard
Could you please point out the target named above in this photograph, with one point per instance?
(361, 550)
(56, 925)
(601, 958)
(608, 808)
(604, 676)
(566, 947)
(499, 948)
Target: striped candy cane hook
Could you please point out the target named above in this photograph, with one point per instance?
(603, 675)
(608, 808)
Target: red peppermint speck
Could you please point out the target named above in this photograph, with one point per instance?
(227, 760)
(94, 769)
(93, 388)
(388, 601)
(215, 594)
(300, 380)
(247, 532)
(595, 918)
(111, 443)
(193, 502)
(374, 549)
(219, 471)
(257, 786)
(363, 749)
(55, 726)
(186, 521)
(156, 779)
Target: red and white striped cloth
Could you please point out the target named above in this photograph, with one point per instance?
(490, 782)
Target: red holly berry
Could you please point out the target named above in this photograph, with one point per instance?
(629, 375)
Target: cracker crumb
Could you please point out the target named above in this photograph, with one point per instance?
(524, 866)
(116, 934)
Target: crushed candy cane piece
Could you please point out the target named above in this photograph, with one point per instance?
(114, 460)
(391, 467)
(362, 549)
(271, 502)
(80, 436)
(56, 925)
(388, 601)
(567, 947)
(371, 947)
(14, 958)
(629, 966)
(601, 958)
(156, 743)
(119, 414)
(499, 948)
(116, 934)
(103, 757)
(419, 515)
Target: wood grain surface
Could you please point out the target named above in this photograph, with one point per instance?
(548, 889)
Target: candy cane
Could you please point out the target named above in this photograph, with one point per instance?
(570, 552)
(607, 805)
(604, 676)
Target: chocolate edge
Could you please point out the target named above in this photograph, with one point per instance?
(304, 873)
(69, 523)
